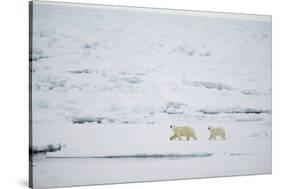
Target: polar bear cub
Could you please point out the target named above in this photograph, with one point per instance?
(178, 132)
(218, 131)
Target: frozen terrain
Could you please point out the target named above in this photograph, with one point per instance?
(108, 82)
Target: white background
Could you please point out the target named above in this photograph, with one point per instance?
(14, 92)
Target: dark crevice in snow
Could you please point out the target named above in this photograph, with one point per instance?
(56, 84)
(45, 149)
(131, 80)
(133, 73)
(243, 154)
(144, 156)
(237, 154)
(38, 58)
(36, 55)
(208, 85)
(236, 111)
(205, 54)
(249, 92)
(248, 119)
(254, 93)
(99, 120)
(86, 71)
(90, 46)
(128, 122)
(173, 112)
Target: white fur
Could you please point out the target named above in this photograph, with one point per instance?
(218, 131)
(178, 132)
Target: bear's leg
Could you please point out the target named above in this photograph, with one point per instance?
(211, 136)
(172, 137)
(179, 137)
(194, 137)
(215, 136)
(223, 137)
(187, 138)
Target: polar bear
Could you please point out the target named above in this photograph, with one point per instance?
(178, 132)
(218, 131)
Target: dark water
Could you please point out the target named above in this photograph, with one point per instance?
(142, 156)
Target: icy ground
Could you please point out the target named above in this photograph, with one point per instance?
(108, 82)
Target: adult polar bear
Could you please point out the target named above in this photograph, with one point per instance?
(218, 131)
(178, 132)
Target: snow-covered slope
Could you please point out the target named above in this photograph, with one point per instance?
(126, 66)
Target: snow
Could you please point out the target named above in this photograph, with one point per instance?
(73, 171)
(109, 82)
